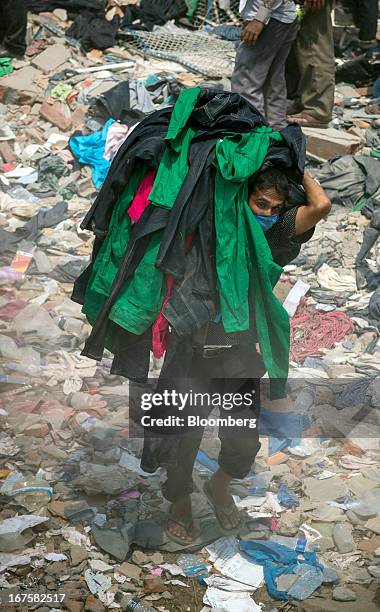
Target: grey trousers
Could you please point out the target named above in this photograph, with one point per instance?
(259, 74)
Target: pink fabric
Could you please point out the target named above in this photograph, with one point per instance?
(140, 201)
(160, 328)
(116, 135)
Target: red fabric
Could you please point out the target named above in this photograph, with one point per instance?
(160, 328)
(140, 201)
(312, 330)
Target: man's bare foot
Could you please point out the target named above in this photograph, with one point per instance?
(218, 489)
(180, 521)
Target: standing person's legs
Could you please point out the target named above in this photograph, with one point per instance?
(14, 17)
(275, 85)
(314, 48)
(179, 483)
(179, 486)
(253, 64)
(366, 14)
(239, 445)
(3, 21)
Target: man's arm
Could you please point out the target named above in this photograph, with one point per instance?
(317, 207)
(314, 5)
(253, 29)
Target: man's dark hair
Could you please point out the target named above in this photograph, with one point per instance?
(270, 179)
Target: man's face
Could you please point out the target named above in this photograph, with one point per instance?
(268, 202)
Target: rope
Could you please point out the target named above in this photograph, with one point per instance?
(312, 330)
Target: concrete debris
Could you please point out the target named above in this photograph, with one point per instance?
(343, 594)
(52, 58)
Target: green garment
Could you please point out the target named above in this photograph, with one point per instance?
(61, 91)
(192, 6)
(112, 250)
(5, 66)
(243, 258)
(174, 165)
(237, 157)
(140, 300)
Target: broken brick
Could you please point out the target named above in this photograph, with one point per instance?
(39, 430)
(19, 88)
(7, 152)
(58, 114)
(327, 143)
(154, 584)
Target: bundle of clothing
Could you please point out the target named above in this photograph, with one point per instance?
(176, 244)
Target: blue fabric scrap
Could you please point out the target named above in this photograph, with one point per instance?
(90, 150)
(277, 560)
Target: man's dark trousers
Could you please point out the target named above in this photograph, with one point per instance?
(13, 19)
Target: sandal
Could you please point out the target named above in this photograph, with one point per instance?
(187, 526)
(305, 120)
(221, 511)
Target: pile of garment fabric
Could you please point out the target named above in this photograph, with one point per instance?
(176, 243)
(150, 13)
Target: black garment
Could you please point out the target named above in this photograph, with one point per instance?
(192, 302)
(145, 143)
(116, 104)
(69, 271)
(363, 271)
(152, 12)
(218, 111)
(30, 231)
(360, 71)
(47, 6)
(284, 245)
(132, 352)
(13, 20)
(94, 31)
(374, 308)
(194, 201)
(348, 178)
(228, 371)
(371, 205)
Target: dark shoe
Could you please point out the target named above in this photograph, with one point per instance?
(294, 108)
(7, 53)
(365, 45)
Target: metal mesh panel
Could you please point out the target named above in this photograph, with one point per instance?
(199, 52)
(208, 12)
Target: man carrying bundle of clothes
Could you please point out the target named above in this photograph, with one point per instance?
(202, 205)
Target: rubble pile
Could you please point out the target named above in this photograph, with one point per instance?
(78, 516)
